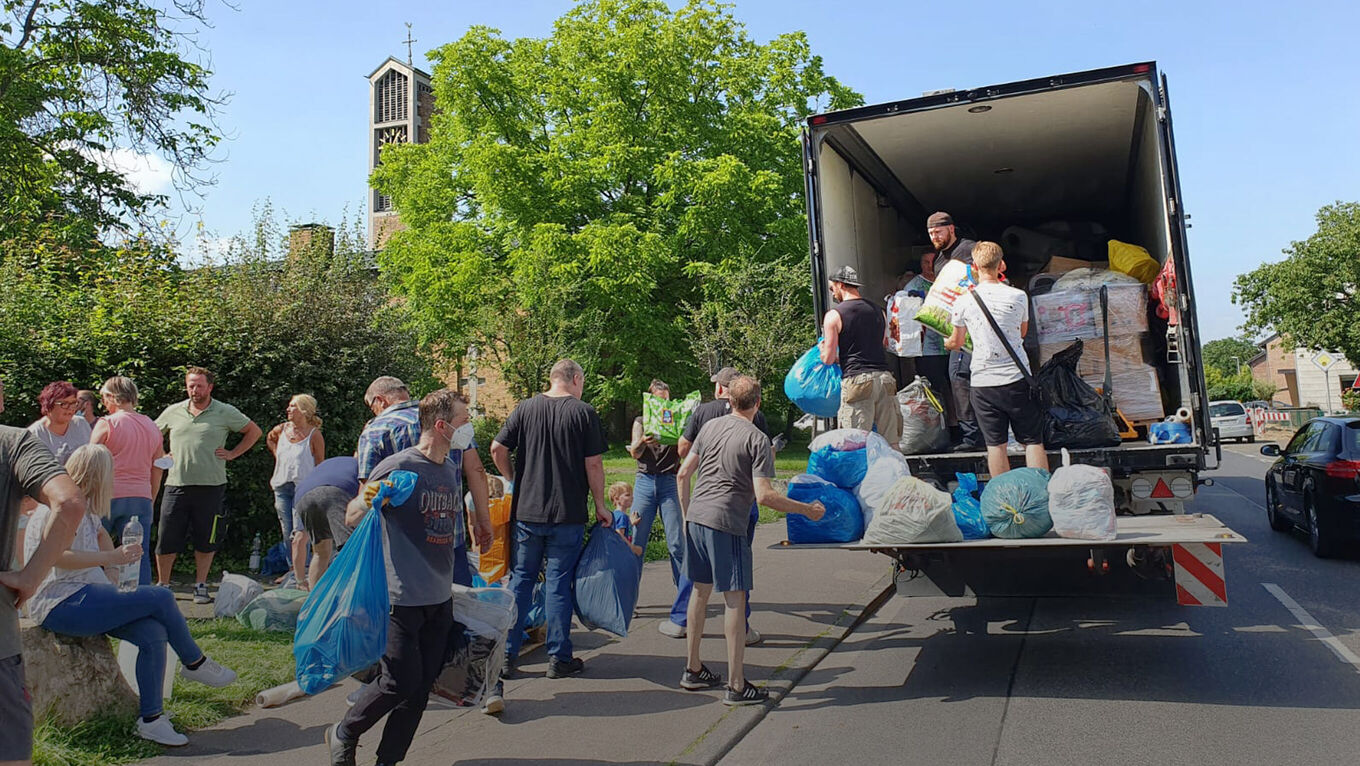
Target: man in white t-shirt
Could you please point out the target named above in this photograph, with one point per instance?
(1000, 396)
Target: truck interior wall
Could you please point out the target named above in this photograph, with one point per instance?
(1112, 131)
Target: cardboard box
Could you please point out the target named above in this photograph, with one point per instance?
(1060, 265)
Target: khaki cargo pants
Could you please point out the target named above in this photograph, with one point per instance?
(869, 401)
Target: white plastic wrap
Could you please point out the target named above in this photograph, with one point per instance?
(1068, 314)
(841, 440)
(1137, 393)
(1081, 502)
(886, 467)
(473, 665)
(234, 593)
(913, 512)
(1092, 279)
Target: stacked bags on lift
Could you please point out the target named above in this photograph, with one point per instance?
(836, 467)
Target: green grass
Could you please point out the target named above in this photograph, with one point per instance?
(260, 659)
(618, 466)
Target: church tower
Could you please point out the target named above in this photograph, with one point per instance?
(401, 103)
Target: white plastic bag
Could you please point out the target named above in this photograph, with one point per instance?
(234, 593)
(913, 512)
(923, 426)
(886, 466)
(473, 663)
(1081, 502)
(841, 440)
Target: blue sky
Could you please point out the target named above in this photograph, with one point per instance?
(1264, 95)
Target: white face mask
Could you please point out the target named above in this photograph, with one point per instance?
(462, 437)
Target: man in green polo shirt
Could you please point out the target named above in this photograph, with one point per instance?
(196, 483)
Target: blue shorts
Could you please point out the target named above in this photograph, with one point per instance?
(717, 558)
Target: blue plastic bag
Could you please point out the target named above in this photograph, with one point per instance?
(277, 560)
(342, 627)
(813, 386)
(843, 521)
(968, 509)
(844, 469)
(607, 578)
(1169, 433)
(1015, 504)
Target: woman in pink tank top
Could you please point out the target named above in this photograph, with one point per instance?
(136, 445)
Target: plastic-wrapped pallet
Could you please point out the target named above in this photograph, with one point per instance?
(1073, 312)
(1128, 353)
(1137, 392)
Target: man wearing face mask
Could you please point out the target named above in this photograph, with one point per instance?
(855, 334)
(421, 538)
(940, 228)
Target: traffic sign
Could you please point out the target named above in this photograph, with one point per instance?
(1325, 360)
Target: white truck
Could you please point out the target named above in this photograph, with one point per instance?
(1094, 148)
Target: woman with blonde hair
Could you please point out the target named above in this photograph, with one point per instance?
(136, 445)
(79, 598)
(298, 447)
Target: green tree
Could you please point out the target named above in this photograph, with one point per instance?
(268, 322)
(84, 84)
(579, 190)
(1310, 296)
(1218, 354)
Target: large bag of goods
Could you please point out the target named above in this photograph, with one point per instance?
(342, 628)
(923, 423)
(838, 456)
(273, 610)
(606, 584)
(666, 418)
(1015, 504)
(968, 509)
(494, 564)
(913, 512)
(884, 466)
(1134, 261)
(813, 386)
(843, 521)
(904, 332)
(1078, 417)
(1081, 502)
(954, 280)
(234, 593)
(483, 618)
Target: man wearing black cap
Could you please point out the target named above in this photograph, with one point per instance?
(940, 228)
(855, 334)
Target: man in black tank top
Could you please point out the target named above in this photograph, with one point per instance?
(854, 333)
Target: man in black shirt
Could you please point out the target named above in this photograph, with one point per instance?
(940, 227)
(855, 334)
(558, 447)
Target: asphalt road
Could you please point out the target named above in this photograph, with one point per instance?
(1118, 678)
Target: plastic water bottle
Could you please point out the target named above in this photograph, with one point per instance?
(255, 554)
(131, 573)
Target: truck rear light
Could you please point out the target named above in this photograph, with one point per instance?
(818, 120)
(1142, 69)
(1343, 469)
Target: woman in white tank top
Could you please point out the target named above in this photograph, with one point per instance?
(298, 447)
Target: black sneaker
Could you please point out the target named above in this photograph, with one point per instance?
(509, 668)
(342, 751)
(563, 668)
(703, 678)
(748, 696)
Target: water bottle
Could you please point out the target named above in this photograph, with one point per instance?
(131, 573)
(255, 554)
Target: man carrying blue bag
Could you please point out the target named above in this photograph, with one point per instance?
(422, 534)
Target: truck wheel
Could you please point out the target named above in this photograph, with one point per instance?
(1251, 439)
(1320, 540)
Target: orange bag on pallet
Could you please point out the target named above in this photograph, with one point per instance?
(495, 563)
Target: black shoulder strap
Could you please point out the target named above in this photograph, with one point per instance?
(997, 329)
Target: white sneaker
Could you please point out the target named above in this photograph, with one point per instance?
(669, 628)
(753, 637)
(209, 673)
(161, 731)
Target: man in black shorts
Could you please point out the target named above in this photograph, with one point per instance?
(1000, 391)
(321, 500)
(734, 463)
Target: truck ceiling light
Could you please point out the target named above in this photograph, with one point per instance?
(1003, 171)
(979, 109)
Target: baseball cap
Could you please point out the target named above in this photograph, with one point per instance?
(724, 376)
(847, 275)
(939, 219)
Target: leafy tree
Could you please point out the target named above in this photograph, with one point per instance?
(82, 81)
(579, 190)
(1310, 297)
(1242, 388)
(269, 323)
(1350, 399)
(1219, 354)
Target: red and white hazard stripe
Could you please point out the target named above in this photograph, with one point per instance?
(1262, 415)
(1199, 574)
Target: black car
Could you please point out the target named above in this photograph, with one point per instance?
(1315, 484)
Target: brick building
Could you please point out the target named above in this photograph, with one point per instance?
(1301, 380)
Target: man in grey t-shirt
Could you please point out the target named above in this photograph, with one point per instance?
(735, 464)
(27, 469)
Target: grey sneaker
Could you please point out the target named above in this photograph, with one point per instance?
(669, 628)
(703, 678)
(494, 704)
(747, 696)
(563, 668)
(209, 673)
(342, 751)
(201, 594)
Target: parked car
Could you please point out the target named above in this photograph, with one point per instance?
(1315, 483)
(1230, 419)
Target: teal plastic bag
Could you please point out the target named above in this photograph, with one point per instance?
(666, 418)
(813, 386)
(968, 509)
(342, 627)
(1015, 504)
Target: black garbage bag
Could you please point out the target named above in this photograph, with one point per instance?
(1078, 417)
